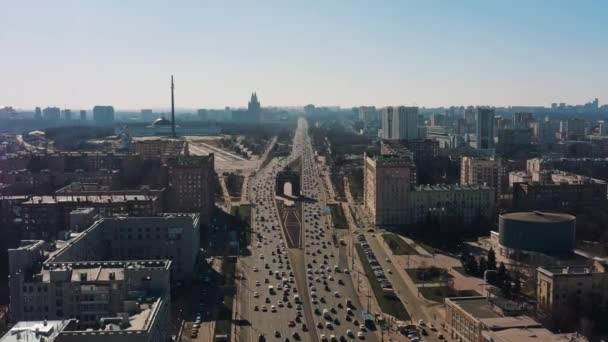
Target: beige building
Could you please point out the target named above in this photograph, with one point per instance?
(480, 171)
(114, 278)
(153, 148)
(556, 286)
(191, 185)
(481, 319)
(386, 185)
(391, 199)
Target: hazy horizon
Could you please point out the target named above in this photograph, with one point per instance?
(346, 53)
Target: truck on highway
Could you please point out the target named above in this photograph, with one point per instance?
(368, 319)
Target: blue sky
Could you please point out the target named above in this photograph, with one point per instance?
(77, 54)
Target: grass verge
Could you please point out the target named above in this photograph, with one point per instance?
(428, 275)
(337, 216)
(460, 270)
(389, 302)
(397, 245)
(224, 314)
(439, 293)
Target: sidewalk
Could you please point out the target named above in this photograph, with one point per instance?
(421, 308)
(368, 299)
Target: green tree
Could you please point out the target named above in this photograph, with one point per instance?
(491, 259)
(516, 286)
(502, 272)
(507, 288)
(483, 266)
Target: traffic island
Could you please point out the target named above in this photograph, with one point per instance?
(387, 300)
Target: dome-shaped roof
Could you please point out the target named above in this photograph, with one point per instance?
(161, 122)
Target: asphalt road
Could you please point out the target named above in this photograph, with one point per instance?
(268, 265)
(317, 272)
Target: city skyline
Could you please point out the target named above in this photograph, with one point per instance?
(398, 53)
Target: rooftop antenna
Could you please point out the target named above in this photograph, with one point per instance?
(172, 108)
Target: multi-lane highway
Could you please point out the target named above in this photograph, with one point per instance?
(296, 293)
(337, 311)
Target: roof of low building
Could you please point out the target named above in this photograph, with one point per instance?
(538, 216)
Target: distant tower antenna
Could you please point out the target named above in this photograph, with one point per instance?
(172, 108)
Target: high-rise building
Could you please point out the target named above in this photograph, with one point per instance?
(391, 199)
(147, 115)
(515, 136)
(67, 114)
(603, 128)
(380, 174)
(254, 108)
(103, 115)
(202, 114)
(544, 131)
(38, 114)
(574, 129)
(480, 171)
(485, 128)
(470, 115)
(522, 119)
(438, 120)
(51, 113)
(83, 115)
(253, 113)
(400, 123)
(191, 185)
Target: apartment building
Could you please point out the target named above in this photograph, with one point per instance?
(391, 199)
(558, 286)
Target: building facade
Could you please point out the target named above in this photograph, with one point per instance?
(485, 128)
(481, 319)
(191, 185)
(45, 216)
(561, 285)
(103, 115)
(480, 171)
(400, 123)
(387, 181)
(391, 199)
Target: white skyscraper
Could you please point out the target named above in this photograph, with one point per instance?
(400, 123)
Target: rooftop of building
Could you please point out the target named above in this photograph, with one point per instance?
(539, 217)
(143, 314)
(97, 189)
(161, 122)
(34, 331)
(82, 211)
(568, 270)
(549, 159)
(100, 270)
(481, 307)
(99, 198)
(521, 173)
(571, 178)
(28, 244)
(451, 187)
(77, 186)
(531, 334)
(67, 154)
(509, 322)
(475, 306)
(190, 160)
